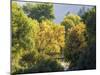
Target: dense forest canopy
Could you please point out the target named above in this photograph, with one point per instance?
(40, 45)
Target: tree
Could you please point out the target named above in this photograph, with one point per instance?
(88, 58)
(76, 42)
(90, 19)
(24, 33)
(35, 36)
(70, 20)
(40, 11)
(75, 38)
(50, 37)
(24, 29)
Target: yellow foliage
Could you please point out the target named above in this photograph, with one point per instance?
(51, 35)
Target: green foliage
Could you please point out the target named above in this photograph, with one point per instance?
(27, 34)
(75, 38)
(90, 19)
(49, 65)
(31, 62)
(88, 59)
(75, 42)
(24, 29)
(37, 41)
(22, 60)
(40, 11)
(46, 65)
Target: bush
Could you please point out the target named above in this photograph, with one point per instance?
(44, 64)
(31, 62)
(23, 60)
(49, 65)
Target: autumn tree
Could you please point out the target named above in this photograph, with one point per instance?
(36, 39)
(75, 38)
(50, 37)
(76, 43)
(71, 20)
(30, 38)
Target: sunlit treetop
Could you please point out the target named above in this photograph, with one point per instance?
(71, 20)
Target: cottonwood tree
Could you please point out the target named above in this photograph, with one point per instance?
(50, 37)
